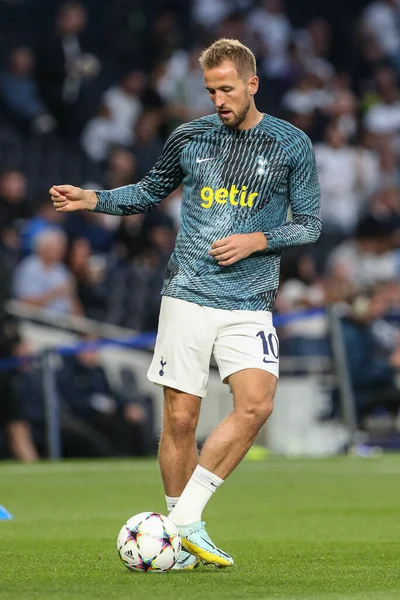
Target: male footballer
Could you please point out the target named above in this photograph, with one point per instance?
(241, 171)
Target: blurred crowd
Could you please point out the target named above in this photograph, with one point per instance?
(90, 90)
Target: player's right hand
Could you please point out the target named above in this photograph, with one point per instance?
(67, 198)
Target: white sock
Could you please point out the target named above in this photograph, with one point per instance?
(198, 491)
(171, 502)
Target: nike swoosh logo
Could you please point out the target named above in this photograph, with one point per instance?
(270, 361)
(200, 160)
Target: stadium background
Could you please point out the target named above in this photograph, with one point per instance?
(88, 94)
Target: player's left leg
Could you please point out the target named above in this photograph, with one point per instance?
(246, 350)
(253, 391)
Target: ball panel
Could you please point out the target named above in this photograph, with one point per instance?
(134, 521)
(169, 526)
(149, 546)
(152, 525)
(165, 560)
(129, 554)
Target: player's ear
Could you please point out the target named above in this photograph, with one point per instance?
(253, 85)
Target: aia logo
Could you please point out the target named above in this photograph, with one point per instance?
(162, 363)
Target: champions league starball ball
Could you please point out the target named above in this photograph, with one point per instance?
(149, 542)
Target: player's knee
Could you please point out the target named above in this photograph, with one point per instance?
(180, 419)
(258, 410)
(182, 424)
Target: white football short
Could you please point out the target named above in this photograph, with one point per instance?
(188, 334)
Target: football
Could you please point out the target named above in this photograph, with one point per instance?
(149, 542)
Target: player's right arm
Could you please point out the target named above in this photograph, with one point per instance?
(140, 197)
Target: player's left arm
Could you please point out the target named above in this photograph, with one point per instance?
(305, 202)
(304, 228)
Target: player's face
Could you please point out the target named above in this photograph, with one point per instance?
(230, 94)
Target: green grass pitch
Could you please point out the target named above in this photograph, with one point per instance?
(313, 529)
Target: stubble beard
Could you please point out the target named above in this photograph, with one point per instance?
(238, 118)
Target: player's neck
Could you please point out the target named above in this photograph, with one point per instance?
(253, 118)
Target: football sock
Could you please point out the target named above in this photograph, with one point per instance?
(171, 502)
(198, 491)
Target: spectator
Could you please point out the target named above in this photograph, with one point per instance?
(210, 13)
(389, 175)
(13, 423)
(158, 233)
(386, 204)
(368, 259)
(342, 109)
(10, 246)
(307, 96)
(45, 219)
(94, 228)
(304, 121)
(373, 368)
(13, 210)
(121, 168)
(20, 94)
(190, 99)
(13, 202)
(42, 279)
(167, 73)
(128, 240)
(381, 19)
(300, 291)
(152, 99)
(124, 103)
(234, 26)
(384, 117)
(125, 33)
(83, 386)
(272, 30)
(89, 272)
(148, 144)
(100, 229)
(78, 437)
(136, 292)
(100, 135)
(314, 43)
(165, 35)
(137, 283)
(367, 61)
(345, 185)
(64, 67)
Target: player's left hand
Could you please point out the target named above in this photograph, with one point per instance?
(230, 250)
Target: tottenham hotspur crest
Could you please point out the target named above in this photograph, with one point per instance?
(162, 363)
(262, 163)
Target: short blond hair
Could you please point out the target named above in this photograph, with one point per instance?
(233, 50)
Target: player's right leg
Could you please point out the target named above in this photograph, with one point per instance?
(181, 365)
(178, 455)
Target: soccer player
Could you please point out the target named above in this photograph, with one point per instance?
(241, 171)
